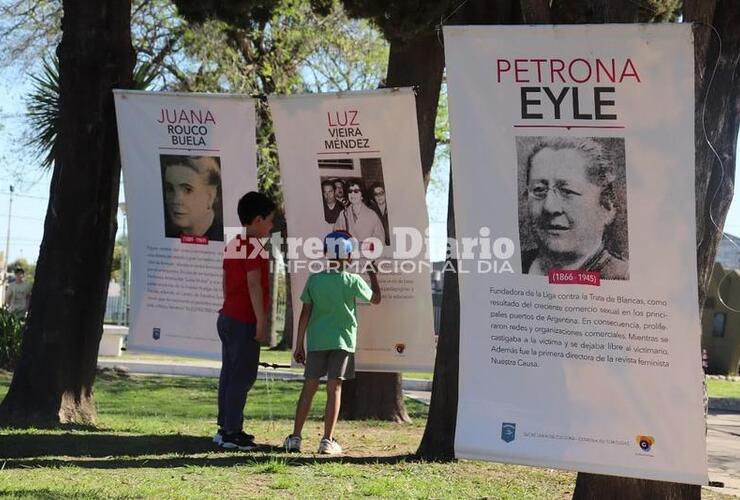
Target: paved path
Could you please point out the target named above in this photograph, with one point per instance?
(723, 451)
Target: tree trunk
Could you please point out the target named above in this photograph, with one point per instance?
(716, 110)
(53, 382)
(286, 343)
(374, 395)
(418, 63)
(438, 442)
(713, 195)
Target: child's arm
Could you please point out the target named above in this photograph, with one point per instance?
(254, 286)
(374, 286)
(300, 354)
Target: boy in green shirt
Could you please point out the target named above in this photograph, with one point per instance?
(329, 315)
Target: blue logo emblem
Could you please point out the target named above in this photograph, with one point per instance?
(155, 333)
(508, 431)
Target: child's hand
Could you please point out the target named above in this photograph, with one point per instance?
(261, 334)
(299, 355)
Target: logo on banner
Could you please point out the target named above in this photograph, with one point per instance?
(400, 348)
(508, 431)
(645, 442)
(155, 333)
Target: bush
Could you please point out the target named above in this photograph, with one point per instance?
(11, 331)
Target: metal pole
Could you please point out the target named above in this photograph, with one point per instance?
(7, 237)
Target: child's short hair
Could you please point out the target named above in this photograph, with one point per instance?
(254, 204)
(338, 245)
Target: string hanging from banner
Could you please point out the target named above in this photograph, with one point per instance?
(268, 387)
(268, 382)
(718, 163)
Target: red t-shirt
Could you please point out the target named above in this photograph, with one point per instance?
(237, 263)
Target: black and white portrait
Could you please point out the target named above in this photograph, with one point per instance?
(572, 205)
(191, 191)
(356, 203)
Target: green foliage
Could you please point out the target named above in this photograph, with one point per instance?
(256, 47)
(400, 19)
(11, 331)
(234, 12)
(29, 29)
(291, 51)
(42, 106)
(119, 252)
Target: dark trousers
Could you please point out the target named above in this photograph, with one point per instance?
(240, 355)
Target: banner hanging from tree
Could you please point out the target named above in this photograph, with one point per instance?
(351, 162)
(573, 148)
(186, 159)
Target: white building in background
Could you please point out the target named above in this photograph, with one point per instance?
(728, 252)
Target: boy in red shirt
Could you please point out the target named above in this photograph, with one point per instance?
(242, 322)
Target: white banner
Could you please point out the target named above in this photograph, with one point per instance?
(351, 161)
(187, 159)
(576, 143)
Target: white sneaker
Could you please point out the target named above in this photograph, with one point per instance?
(218, 438)
(292, 443)
(329, 447)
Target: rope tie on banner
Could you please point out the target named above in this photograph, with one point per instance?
(273, 365)
(443, 20)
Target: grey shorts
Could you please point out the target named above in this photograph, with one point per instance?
(334, 364)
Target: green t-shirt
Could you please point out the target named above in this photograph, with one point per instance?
(333, 323)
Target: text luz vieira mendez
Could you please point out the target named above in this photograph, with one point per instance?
(567, 103)
(344, 131)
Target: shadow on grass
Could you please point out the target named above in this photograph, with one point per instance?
(41, 450)
(100, 452)
(20, 445)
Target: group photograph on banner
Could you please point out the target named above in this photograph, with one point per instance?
(350, 162)
(575, 144)
(186, 160)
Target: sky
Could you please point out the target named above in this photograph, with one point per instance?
(19, 168)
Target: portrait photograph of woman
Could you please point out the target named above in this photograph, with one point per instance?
(191, 189)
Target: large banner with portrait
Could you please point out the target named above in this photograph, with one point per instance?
(573, 154)
(351, 162)
(187, 159)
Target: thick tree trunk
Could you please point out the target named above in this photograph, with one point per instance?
(374, 396)
(53, 382)
(438, 442)
(717, 111)
(713, 195)
(598, 487)
(419, 63)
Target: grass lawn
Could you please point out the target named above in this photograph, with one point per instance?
(153, 440)
(723, 388)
